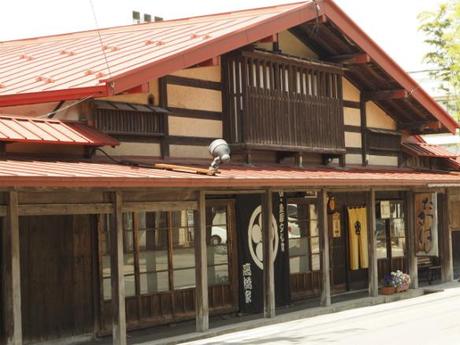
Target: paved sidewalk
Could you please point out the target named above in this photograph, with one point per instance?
(432, 319)
(227, 326)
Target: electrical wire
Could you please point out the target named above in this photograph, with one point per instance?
(124, 161)
(315, 29)
(100, 38)
(66, 107)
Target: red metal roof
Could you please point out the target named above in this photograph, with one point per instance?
(58, 64)
(427, 150)
(84, 174)
(72, 66)
(48, 131)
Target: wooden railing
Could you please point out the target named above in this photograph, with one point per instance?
(282, 103)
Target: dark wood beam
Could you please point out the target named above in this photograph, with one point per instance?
(363, 120)
(201, 267)
(385, 95)
(268, 254)
(12, 273)
(351, 59)
(117, 276)
(372, 246)
(325, 264)
(420, 126)
(447, 269)
(269, 39)
(411, 251)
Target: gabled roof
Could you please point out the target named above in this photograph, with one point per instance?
(47, 131)
(77, 65)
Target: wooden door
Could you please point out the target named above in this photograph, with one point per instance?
(56, 276)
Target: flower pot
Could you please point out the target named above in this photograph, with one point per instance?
(388, 290)
(402, 288)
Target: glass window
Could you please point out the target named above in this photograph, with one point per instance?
(304, 241)
(147, 237)
(381, 239)
(397, 235)
(153, 282)
(217, 244)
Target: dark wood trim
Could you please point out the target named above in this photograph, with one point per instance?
(385, 95)
(117, 278)
(195, 141)
(201, 267)
(137, 282)
(351, 104)
(351, 59)
(195, 114)
(372, 245)
(268, 255)
(352, 129)
(139, 139)
(11, 279)
(363, 116)
(164, 103)
(249, 147)
(410, 235)
(354, 150)
(325, 258)
(382, 152)
(100, 250)
(171, 266)
(191, 82)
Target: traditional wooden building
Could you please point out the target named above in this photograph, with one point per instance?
(329, 186)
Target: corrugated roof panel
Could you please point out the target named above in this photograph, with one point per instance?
(76, 65)
(33, 130)
(79, 60)
(74, 174)
(428, 150)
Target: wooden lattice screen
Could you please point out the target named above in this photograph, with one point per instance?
(283, 103)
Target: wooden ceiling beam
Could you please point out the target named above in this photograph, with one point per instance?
(385, 95)
(421, 126)
(351, 59)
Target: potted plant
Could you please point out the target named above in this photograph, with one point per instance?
(395, 282)
(404, 279)
(389, 286)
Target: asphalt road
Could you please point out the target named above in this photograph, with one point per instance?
(429, 319)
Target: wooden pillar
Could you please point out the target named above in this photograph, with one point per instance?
(447, 268)
(117, 274)
(268, 255)
(12, 273)
(325, 265)
(411, 252)
(372, 246)
(201, 267)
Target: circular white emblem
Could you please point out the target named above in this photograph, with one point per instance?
(255, 237)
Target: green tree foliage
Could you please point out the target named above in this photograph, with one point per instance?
(442, 31)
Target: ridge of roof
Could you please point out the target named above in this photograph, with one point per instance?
(158, 23)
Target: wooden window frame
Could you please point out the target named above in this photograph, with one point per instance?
(308, 202)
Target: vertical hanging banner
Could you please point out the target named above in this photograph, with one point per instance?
(282, 286)
(357, 229)
(249, 220)
(426, 224)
